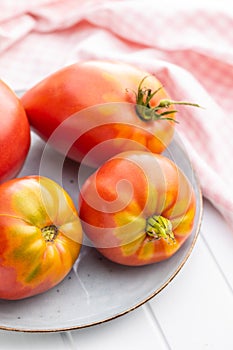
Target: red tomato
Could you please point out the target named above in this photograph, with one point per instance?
(14, 134)
(133, 115)
(138, 208)
(40, 236)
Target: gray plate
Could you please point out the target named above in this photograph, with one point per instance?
(96, 290)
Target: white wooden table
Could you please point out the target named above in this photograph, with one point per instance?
(195, 311)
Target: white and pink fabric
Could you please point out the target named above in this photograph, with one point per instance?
(188, 46)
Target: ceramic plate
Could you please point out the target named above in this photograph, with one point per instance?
(96, 290)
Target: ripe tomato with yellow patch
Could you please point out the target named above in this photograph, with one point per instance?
(40, 236)
(93, 110)
(138, 208)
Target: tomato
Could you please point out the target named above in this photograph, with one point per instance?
(114, 107)
(138, 208)
(14, 134)
(40, 236)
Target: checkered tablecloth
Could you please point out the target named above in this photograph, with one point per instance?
(189, 47)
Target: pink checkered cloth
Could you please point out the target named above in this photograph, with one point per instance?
(189, 47)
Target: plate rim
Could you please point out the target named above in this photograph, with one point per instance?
(143, 301)
(149, 297)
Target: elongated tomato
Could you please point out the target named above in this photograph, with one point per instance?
(140, 214)
(93, 110)
(40, 236)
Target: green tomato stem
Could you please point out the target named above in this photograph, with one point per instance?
(49, 233)
(146, 112)
(158, 227)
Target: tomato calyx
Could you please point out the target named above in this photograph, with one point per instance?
(146, 112)
(49, 233)
(158, 227)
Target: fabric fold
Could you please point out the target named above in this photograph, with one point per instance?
(189, 47)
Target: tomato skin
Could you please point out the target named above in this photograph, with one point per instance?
(91, 84)
(30, 263)
(14, 134)
(114, 210)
